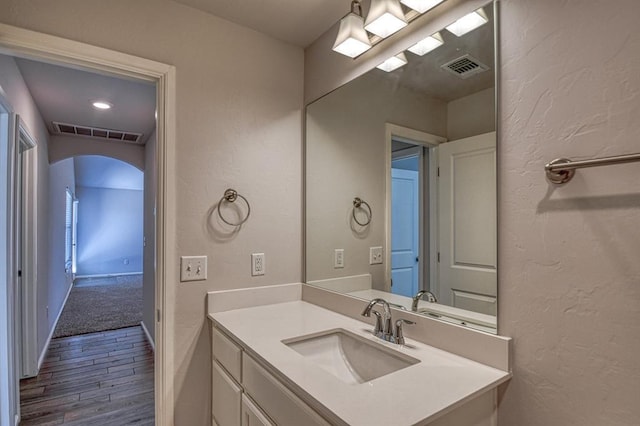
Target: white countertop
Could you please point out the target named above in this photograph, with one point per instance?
(416, 394)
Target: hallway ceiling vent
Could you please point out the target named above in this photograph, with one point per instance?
(465, 66)
(96, 132)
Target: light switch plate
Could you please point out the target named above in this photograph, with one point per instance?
(258, 265)
(338, 258)
(193, 268)
(375, 255)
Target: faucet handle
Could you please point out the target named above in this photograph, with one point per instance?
(398, 336)
(377, 330)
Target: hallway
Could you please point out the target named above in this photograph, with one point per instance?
(103, 378)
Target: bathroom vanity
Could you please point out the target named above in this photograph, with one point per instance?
(280, 360)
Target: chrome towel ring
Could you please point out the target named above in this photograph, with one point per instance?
(230, 196)
(358, 203)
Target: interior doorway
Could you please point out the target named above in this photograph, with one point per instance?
(78, 55)
(407, 216)
(411, 209)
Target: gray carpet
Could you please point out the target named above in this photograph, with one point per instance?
(99, 304)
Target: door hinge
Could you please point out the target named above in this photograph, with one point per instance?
(19, 273)
(438, 257)
(158, 315)
(438, 171)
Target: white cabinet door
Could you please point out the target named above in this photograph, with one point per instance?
(226, 398)
(252, 415)
(280, 403)
(467, 216)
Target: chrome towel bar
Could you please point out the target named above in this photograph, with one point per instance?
(561, 170)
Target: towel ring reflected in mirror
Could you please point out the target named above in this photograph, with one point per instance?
(230, 196)
(358, 204)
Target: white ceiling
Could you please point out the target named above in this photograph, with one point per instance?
(96, 171)
(299, 22)
(65, 94)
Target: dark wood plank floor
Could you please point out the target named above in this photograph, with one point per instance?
(96, 379)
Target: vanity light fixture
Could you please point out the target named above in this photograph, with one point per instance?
(393, 63)
(426, 45)
(385, 17)
(352, 39)
(103, 105)
(421, 6)
(468, 22)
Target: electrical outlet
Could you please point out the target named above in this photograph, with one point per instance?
(258, 265)
(375, 255)
(193, 268)
(338, 258)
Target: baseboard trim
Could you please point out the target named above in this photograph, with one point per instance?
(108, 275)
(146, 333)
(55, 324)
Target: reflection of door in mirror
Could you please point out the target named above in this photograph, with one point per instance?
(467, 216)
(406, 220)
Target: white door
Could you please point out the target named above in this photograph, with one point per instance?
(467, 216)
(405, 231)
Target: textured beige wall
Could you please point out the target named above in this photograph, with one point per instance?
(239, 115)
(61, 147)
(472, 115)
(149, 251)
(17, 93)
(61, 176)
(569, 275)
(569, 290)
(345, 149)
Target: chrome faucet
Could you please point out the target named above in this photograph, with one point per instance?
(383, 328)
(431, 298)
(385, 331)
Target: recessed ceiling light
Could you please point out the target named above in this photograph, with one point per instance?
(468, 22)
(101, 105)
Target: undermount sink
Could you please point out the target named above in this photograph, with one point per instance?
(349, 357)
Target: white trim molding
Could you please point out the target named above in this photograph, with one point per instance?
(30, 44)
(148, 335)
(53, 329)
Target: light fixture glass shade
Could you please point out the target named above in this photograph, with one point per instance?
(352, 39)
(421, 5)
(426, 45)
(468, 22)
(393, 63)
(385, 18)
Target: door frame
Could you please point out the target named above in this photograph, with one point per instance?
(30, 44)
(27, 325)
(430, 142)
(9, 383)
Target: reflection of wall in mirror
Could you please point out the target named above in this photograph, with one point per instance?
(345, 159)
(346, 155)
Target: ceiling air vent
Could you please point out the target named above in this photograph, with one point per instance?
(465, 66)
(96, 132)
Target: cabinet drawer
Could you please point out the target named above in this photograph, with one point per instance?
(227, 353)
(275, 399)
(252, 415)
(226, 400)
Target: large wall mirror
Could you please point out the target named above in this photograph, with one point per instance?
(401, 182)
